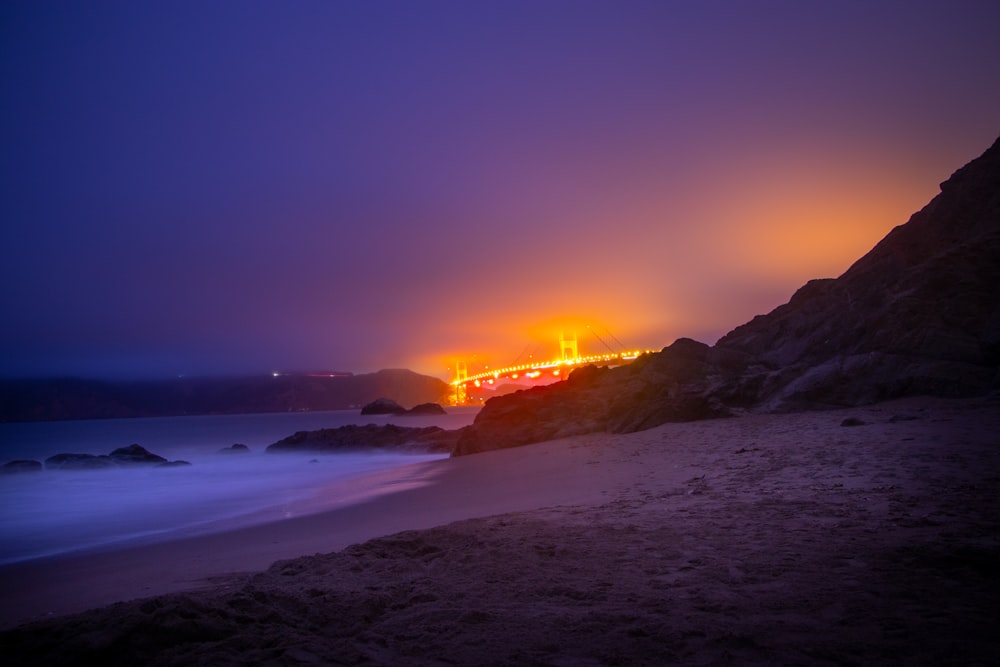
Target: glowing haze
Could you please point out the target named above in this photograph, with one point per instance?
(241, 187)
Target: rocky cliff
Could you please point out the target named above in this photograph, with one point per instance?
(918, 314)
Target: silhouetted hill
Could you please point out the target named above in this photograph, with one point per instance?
(918, 315)
(41, 400)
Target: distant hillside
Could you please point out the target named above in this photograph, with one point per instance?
(70, 398)
(918, 315)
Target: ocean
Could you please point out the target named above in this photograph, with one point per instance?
(61, 511)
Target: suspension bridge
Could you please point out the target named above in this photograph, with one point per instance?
(465, 383)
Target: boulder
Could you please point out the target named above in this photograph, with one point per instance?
(68, 461)
(173, 464)
(383, 406)
(235, 449)
(135, 455)
(21, 466)
(368, 437)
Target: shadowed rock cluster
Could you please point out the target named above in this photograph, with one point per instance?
(123, 457)
(918, 315)
(369, 437)
(387, 406)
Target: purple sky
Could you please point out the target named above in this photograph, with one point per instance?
(221, 187)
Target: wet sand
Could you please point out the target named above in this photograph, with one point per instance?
(762, 539)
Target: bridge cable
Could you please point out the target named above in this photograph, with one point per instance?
(603, 342)
(514, 363)
(621, 345)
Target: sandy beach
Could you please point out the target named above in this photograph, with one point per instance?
(760, 539)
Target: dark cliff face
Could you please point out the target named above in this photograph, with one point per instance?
(918, 314)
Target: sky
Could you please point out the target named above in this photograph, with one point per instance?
(230, 187)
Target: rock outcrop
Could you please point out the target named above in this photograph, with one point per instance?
(21, 466)
(368, 437)
(387, 406)
(918, 315)
(173, 464)
(130, 456)
(134, 455)
(383, 406)
(69, 461)
(679, 383)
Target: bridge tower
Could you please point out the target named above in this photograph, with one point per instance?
(568, 348)
(461, 375)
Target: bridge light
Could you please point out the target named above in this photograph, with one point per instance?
(513, 376)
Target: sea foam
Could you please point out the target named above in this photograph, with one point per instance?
(58, 511)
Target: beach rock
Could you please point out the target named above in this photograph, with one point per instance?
(917, 315)
(387, 406)
(135, 455)
(235, 449)
(21, 466)
(383, 406)
(442, 441)
(370, 436)
(173, 464)
(67, 461)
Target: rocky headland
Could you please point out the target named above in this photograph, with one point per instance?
(918, 315)
(76, 398)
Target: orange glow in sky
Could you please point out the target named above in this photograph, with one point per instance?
(357, 186)
(744, 245)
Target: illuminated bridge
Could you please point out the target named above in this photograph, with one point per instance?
(465, 384)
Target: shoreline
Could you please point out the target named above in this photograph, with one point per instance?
(354, 488)
(754, 539)
(60, 511)
(436, 492)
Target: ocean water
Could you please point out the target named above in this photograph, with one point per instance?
(60, 511)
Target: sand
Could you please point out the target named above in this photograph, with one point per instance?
(762, 539)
